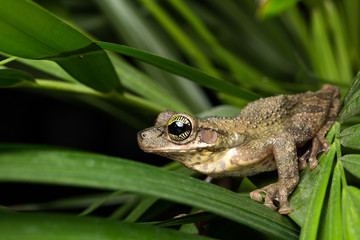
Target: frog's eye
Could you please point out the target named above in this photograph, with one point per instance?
(179, 128)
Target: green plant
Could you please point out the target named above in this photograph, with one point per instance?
(227, 50)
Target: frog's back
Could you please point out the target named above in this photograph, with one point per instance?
(302, 115)
(314, 111)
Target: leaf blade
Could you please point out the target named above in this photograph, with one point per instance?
(41, 226)
(351, 162)
(12, 77)
(310, 228)
(181, 70)
(350, 137)
(96, 171)
(332, 227)
(351, 212)
(29, 31)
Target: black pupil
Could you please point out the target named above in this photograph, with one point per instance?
(177, 128)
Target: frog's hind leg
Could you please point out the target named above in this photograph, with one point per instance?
(312, 152)
(285, 156)
(319, 143)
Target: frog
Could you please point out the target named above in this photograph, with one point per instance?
(265, 136)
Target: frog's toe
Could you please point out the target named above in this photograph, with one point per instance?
(302, 164)
(324, 144)
(269, 202)
(269, 197)
(278, 191)
(285, 210)
(255, 195)
(313, 162)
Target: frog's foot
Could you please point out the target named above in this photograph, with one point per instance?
(303, 159)
(319, 144)
(279, 191)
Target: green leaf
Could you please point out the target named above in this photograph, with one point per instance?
(76, 202)
(97, 171)
(355, 86)
(351, 162)
(323, 58)
(96, 204)
(237, 67)
(352, 18)
(332, 227)
(351, 109)
(41, 226)
(339, 35)
(352, 101)
(7, 60)
(30, 31)
(143, 85)
(181, 70)
(140, 209)
(189, 218)
(272, 8)
(49, 67)
(132, 24)
(184, 41)
(350, 137)
(12, 77)
(351, 212)
(312, 221)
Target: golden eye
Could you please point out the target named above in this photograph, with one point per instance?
(179, 128)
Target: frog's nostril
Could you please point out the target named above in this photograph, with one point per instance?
(143, 135)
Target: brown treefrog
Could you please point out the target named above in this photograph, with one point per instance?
(263, 137)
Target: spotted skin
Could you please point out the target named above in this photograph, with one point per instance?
(264, 137)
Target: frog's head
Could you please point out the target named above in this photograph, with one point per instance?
(176, 135)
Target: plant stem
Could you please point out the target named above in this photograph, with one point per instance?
(5, 61)
(126, 98)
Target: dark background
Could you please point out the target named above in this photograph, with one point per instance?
(36, 118)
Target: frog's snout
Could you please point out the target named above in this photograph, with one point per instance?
(150, 139)
(141, 136)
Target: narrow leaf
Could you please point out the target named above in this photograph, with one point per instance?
(12, 77)
(322, 54)
(332, 227)
(140, 209)
(352, 101)
(138, 82)
(48, 67)
(96, 204)
(189, 218)
(312, 221)
(339, 35)
(35, 226)
(272, 8)
(351, 212)
(7, 60)
(29, 31)
(355, 86)
(351, 162)
(97, 171)
(181, 70)
(183, 40)
(132, 24)
(350, 137)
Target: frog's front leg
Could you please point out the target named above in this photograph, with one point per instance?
(284, 150)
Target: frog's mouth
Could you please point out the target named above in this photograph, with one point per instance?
(154, 142)
(162, 150)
